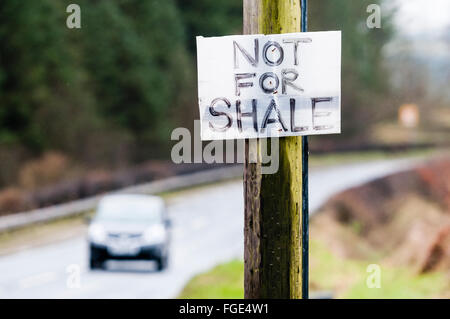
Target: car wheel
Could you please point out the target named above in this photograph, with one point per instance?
(96, 260)
(95, 264)
(162, 263)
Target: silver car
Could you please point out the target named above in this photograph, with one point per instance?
(129, 227)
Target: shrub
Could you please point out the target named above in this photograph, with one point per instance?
(50, 168)
(12, 200)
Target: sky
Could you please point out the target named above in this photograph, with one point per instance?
(424, 22)
(418, 16)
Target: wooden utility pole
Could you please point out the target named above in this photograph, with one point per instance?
(276, 204)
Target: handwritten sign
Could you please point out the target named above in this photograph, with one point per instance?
(253, 86)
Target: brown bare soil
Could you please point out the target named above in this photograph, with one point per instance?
(402, 219)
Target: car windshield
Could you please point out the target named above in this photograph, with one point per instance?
(129, 211)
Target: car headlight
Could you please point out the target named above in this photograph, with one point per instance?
(97, 233)
(155, 234)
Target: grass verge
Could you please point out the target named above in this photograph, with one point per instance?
(346, 278)
(223, 281)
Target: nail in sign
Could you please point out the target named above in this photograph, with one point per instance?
(253, 86)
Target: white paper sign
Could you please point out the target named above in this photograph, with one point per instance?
(253, 86)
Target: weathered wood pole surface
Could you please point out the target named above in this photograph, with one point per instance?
(273, 202)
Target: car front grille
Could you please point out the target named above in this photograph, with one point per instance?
(124, 235)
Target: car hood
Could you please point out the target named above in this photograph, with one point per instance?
(128, 228)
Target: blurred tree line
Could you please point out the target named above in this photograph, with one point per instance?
(110, 93)
(365, 75)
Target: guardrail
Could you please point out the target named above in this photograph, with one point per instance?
(77, 207)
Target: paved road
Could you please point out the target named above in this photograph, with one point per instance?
(207, 229)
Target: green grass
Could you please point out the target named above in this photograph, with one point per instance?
(346, 278)
(399, 283)
(42, 233)
(224, 281)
